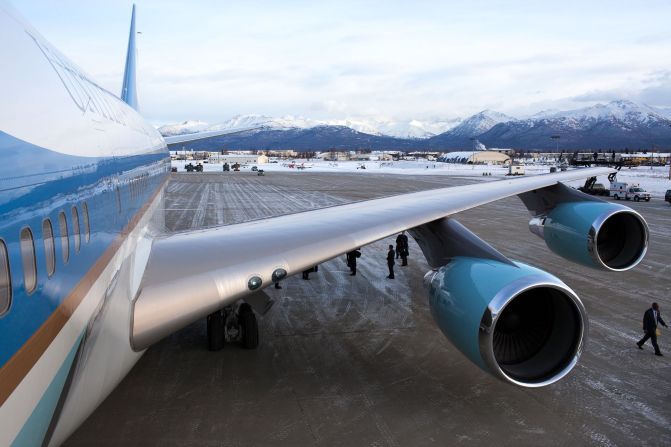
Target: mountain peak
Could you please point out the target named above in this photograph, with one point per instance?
(479, 123)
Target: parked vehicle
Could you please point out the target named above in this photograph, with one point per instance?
(516, 170)
(254, 168)
(667, 196)
(622, 190)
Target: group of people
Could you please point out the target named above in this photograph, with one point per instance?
(352, 256)
(401, 251)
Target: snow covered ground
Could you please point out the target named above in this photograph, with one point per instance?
(655, 180)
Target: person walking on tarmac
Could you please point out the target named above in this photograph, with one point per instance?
(402, 248)
(351, 260)
(390, 261)
(650, 319)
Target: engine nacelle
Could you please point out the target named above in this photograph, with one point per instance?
(517, 322)
(596, 234)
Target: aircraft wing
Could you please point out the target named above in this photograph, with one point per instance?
(190, 137)
(192, 274)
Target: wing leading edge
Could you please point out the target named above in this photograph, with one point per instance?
(192, 274)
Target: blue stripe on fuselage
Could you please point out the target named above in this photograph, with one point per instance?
(36, 426)
(38, 183)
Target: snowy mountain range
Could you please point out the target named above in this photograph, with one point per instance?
(616, 125)
(393, 128)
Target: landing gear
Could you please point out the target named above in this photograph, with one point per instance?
(227, 325)
(216, 334)
(249, 328)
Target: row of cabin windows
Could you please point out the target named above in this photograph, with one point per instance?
(28, 257)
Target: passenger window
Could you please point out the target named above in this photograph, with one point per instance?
(85, 219)
(5, 280)
(75, 228)
(65, 241)
(49, 248)
(28, 259)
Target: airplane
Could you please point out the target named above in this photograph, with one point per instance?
(89, 279)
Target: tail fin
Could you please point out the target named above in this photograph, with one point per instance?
(128, 90)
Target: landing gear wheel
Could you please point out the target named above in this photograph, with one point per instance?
(215, 331)
(249, 327)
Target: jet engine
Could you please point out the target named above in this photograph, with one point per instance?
(596, 234)
(517, 322)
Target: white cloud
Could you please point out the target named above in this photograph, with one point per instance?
(210, 60)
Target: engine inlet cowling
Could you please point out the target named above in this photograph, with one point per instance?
(517, 322)
(596, 234)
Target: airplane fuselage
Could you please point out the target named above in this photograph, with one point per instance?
(81, 178)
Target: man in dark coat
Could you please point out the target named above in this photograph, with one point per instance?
(390, 261)
(650, 319)
(402, 247)
(351, 260)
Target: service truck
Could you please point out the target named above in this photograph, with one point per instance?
(626, 191)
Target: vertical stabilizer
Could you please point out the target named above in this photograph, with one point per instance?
(128, 90)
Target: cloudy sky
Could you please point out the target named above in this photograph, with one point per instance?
(213, 59)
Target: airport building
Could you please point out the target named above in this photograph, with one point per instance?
(243, 159)
(476, 158)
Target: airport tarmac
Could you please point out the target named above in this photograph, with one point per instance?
(358, 361)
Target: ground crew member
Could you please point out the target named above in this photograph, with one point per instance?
(390, 261)
(351, 260)
(402, 248)
(306, 273)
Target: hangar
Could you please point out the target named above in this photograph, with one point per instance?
(476, 158)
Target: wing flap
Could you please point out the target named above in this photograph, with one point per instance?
(192, 274)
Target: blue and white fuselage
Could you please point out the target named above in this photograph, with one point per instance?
(81, 175)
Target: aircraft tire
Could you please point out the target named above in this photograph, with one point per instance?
(250, 330)
(215, 331)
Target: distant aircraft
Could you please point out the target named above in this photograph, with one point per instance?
(88, 280)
